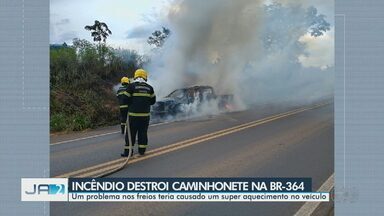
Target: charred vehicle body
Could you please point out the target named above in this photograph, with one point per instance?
(178, 102)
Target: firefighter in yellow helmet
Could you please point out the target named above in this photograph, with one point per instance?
(122, 96)
(140, 98)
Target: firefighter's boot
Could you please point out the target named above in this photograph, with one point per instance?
(126, 152)
(142, 149)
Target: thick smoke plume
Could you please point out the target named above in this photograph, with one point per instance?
(253, 49)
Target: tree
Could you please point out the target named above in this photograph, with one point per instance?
(99, 31)
(287, 24)
(317, 23)
(159, 37)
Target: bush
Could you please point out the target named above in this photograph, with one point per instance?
(80, 122)
(82, 80)
(58, 122)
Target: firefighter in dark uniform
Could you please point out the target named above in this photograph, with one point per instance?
(140, 98)
(122, 96)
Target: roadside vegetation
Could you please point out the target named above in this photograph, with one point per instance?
(82, 77)
(82, 80)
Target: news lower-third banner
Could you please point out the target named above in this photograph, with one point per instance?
(171, 190)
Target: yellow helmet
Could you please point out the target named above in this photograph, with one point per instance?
(124, 80)
(141, 73)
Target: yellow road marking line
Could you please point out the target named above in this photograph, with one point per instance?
(99, 169)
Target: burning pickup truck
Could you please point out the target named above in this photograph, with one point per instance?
(186, 101)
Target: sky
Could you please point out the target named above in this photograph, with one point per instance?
(131, 21)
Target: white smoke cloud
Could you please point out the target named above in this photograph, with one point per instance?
(222, 43)
(319, 50)
(209, 39)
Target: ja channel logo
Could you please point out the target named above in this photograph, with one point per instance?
(44, 189)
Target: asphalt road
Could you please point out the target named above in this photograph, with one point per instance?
(298, 145)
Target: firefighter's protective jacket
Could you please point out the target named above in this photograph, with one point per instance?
(140, 98)
(123, 96)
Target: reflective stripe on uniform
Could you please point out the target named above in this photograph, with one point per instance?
(124, 93)
(123, 123)
(141, 95)
(124, 106)
(142, 146)
(127, 147)
(139, 114)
